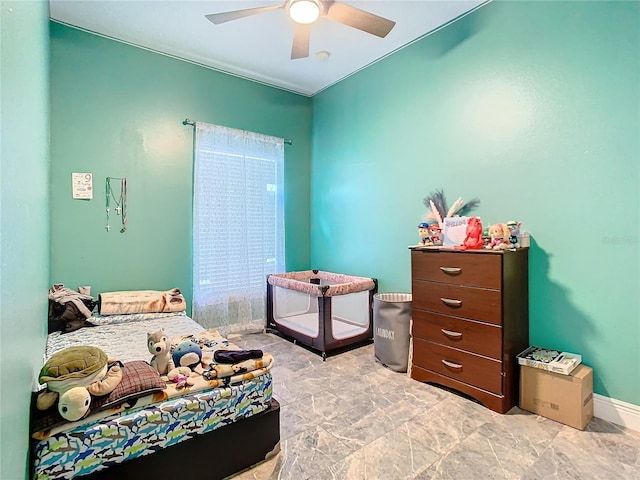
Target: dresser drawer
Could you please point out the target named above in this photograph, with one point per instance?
(465, 367)
(482, 270)
(468, 302)
(476, 337)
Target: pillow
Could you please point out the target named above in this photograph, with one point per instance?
(138, 379)
(141, 301)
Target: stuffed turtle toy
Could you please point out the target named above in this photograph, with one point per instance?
(74, 374)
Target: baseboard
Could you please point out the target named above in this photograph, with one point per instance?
(617, 411)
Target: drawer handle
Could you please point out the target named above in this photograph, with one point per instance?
(451, 364)
(451, 270)
(451, 302)
(449, 333)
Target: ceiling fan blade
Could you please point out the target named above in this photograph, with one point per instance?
(300, 47)
(360, 19)
(224, 17)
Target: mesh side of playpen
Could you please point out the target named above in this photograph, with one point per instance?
(299, 311)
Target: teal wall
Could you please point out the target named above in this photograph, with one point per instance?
(532, 107)
(24, 220)
(117, 110)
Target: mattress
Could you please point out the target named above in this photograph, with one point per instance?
(144, 428)
(123, 337)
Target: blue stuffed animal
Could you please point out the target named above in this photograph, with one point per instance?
(188, 354)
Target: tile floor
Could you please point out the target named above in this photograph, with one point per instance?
(350, 418)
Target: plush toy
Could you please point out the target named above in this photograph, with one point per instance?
(74, 374)
(514, 231)
(499, 234)
(486, 239)
(160, 347)
(435, 235)
(188, 354)
(423, 231)
(182, 377)
(473, 240)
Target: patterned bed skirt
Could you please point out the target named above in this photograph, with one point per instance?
(92, 447)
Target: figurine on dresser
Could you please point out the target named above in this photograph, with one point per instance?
(423, 231)
(514, 233)
(499, 234)
(435, 234)
(473, 239)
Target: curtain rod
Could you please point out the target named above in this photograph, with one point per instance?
(188, 121)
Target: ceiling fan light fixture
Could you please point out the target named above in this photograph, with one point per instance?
(304, 11)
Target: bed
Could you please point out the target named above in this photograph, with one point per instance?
(158, 433)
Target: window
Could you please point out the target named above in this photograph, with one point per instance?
(238, 225)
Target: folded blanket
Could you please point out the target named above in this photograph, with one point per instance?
(141, 301)
(234, 372)
(213, 344)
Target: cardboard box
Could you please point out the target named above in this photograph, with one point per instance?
(566, 399)
(551, 360)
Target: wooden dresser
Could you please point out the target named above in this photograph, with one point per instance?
(470, 313)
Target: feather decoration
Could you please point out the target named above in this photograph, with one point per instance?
(454, 207)
(435, 213)
(436, 204)
(430, 217)
(441, 203)
(467, 207)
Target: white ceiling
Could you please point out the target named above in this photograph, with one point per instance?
(258, 47)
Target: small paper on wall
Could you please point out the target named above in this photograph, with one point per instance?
(82, 186)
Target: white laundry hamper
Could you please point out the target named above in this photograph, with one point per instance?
(392, 329)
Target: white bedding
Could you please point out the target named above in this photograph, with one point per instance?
(129, 346)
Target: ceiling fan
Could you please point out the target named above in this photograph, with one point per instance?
(306, 12)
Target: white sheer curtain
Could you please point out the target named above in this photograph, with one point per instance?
(238, 225)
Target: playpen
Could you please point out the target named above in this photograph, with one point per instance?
(325, 311)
